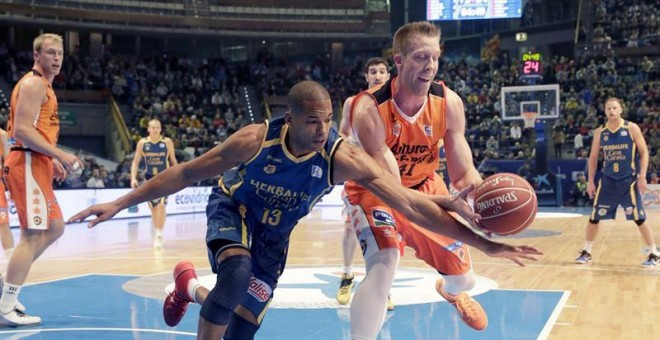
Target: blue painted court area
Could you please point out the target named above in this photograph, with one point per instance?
(97, 307)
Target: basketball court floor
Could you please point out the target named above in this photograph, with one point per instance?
(109, 283)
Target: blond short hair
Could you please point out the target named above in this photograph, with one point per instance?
(404, 34)
(39, 41)
(614, 99)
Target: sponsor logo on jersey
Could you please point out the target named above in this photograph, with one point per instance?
(428, 130)
(317, 171)
(602, 212)
(624, 133)
(269, 169)
(396, 129)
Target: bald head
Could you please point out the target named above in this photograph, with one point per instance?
(305, 91)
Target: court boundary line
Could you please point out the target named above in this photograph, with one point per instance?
(552, 320)
(81, 329)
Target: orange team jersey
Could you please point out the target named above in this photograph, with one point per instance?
(413, 141)
(48, 121)
(4, 207)
(29, 174)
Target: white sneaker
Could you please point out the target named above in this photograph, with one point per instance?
(15, 318)
(158, 242)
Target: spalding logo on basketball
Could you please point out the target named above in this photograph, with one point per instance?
(506, 202)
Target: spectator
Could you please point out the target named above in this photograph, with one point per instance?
(95, 181)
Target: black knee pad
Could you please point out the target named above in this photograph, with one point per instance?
(240, 329)
(640, 222)
(593, 221)
(231, 285)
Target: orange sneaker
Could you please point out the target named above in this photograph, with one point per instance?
(176, 303)
(468, 308)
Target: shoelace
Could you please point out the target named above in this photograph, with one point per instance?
(469, 304)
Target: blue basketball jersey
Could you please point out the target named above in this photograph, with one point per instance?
(156, 157)
(278, 188)
(619, 151)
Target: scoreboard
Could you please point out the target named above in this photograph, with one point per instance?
(531, 64)
(472, 9)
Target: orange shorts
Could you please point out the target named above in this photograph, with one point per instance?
(380, 227)
(4, 207)
(29, 176)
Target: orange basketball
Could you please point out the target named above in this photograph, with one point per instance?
(506, 202)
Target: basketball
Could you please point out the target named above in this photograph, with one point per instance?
(506, 202)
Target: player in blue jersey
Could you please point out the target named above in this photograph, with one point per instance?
(284, 167)
(158, 154)
(625, 161)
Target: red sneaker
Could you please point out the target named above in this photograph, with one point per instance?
(176, 303)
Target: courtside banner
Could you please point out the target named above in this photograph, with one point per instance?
(651, 197)
(188, 200)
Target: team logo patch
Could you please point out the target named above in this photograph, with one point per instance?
(382, 218)
(606, 138)
(37, 220)
(396, 129)
(629, 210)
(147, 147)
(317, 171)
(162, 145)
(624, 133)
(428, 130)
(259, 290)
(602, 212)
(269, 169)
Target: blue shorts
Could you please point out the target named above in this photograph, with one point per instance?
(614, 192)
(230, 224)
(154, 202)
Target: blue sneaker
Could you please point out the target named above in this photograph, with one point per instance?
(584, 257)
(652, 261)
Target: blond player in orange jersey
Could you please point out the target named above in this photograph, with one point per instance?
(401, 125)
(33, 162)
(376, 72)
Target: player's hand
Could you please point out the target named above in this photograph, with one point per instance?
(514, 253)
(134, 183)
(591, 190)
(459, 205)
(71, 162)
(59, 172)
(642, 185)
(103, 212)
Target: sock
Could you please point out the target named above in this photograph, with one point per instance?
(159, 233)
(9, 297)
(652, 250)
(587, 246)
(8, 252)
(193, 284)
(348, 270)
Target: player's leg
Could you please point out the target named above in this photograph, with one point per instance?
(634, 208)
(158, 215)
(380, 247)
(348, 245)
(451, 258)
(603, 208)
(30, 178)
(5, 233)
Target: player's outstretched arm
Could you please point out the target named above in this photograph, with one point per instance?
(353, 163)
(238, 148)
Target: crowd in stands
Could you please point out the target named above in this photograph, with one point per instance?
(198, 104)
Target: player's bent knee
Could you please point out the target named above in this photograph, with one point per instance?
(593, 221)
(239, 328)
(459, 283)
(233, 278)
(640, 222)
